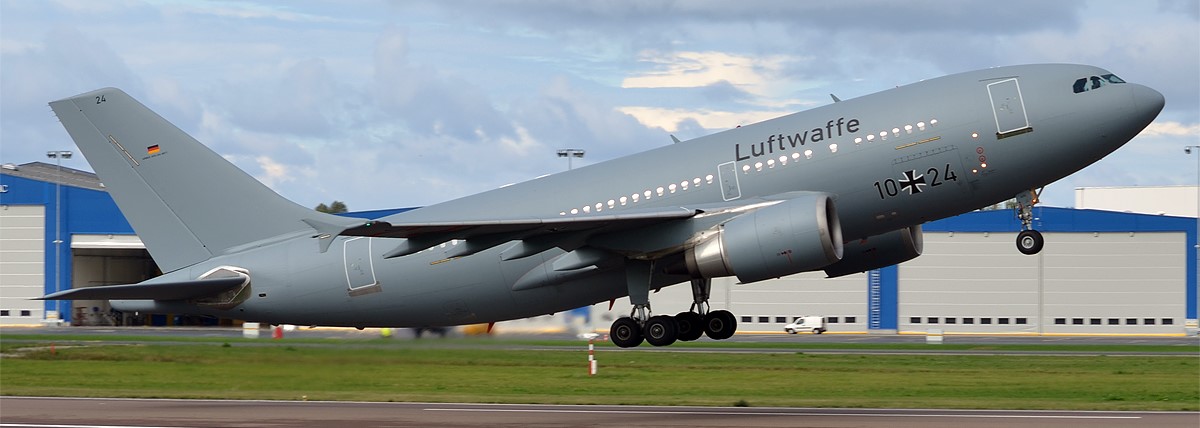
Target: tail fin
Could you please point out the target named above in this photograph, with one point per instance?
(185, 202)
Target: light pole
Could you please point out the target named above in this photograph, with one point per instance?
(58, 156)
(1196, 319)
(570, 153)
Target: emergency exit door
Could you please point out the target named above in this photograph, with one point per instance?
(1008, 108)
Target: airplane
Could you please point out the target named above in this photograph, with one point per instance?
(842, 188)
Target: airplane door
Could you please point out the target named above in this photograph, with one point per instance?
(360, 269)
(727, 173)
(1008, 108)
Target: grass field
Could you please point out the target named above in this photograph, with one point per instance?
(449, 371)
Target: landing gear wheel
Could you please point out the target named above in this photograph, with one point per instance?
(625, 333)
(661, 330)
(720, 325)
(691, 326)
(1030, 242)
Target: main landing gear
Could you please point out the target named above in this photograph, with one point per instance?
(1029, 241)
(663, 330)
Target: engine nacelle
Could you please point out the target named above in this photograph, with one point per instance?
(879, 251)
(797, 235)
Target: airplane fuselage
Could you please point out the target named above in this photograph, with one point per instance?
(889, 160)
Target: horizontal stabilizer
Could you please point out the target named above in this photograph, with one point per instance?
(181, 290)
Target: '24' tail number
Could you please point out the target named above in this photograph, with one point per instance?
(913, 181)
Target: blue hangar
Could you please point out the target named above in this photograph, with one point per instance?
(1101, 272)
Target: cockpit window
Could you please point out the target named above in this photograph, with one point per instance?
(1095, 82)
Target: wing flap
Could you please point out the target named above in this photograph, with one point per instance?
(522, 227)
(180, 290)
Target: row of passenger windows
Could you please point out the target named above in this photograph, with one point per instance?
(8, 313)
(784, 320)
(696, 182)
(1115, 321)
(1085, 84)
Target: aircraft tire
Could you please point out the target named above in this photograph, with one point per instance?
(691, 326)
(720, 325)
(661, 330)
(625, 333)
(1030, 242)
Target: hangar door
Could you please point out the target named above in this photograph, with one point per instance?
(106, 260)
(22, 263)
(1088, 283)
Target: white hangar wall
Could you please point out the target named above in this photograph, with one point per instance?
(1080, 283)
(22, 263)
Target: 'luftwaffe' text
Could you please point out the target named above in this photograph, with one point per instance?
(783, 142)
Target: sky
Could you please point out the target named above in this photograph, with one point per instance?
(387, 104)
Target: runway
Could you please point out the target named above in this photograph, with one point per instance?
(43, 412)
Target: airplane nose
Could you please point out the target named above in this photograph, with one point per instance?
(1148, 100)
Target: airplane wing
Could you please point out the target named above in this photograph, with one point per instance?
(536, 233)
(181, 290)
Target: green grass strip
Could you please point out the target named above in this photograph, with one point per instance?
(19, 340)
(433, 374)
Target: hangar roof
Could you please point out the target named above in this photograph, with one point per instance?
(49, 173)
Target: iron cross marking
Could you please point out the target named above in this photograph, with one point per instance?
(912, 182)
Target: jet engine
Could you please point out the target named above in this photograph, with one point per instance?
(878, 251)
(797, 235)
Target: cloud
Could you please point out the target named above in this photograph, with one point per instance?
(751, 88)
(303, 101)
(428, 100)
(247, 11)
(880, 15)
(1171, 128)
(699, 69)
(63, 63)
(405, 103)
(671, 120)
(563, 116)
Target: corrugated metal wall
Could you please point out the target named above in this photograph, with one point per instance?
(22, 263)
(1080, 283)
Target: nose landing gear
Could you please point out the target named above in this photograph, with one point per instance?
(1029, 241)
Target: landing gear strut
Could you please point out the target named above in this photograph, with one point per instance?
(1029, 241)
(663, 330)
(717, 325)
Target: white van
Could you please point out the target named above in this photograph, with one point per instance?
(815, 324)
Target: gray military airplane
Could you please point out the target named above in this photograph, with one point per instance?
(842, 188)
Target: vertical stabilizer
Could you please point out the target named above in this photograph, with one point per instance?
(185, 202)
